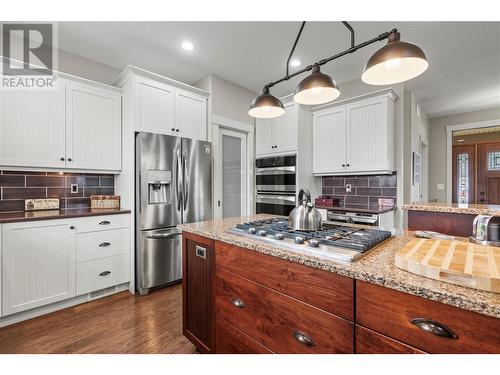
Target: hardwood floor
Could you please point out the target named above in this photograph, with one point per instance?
(121, 323)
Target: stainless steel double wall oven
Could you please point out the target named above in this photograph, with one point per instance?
(276, 184)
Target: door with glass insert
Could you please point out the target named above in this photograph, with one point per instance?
(463, 174)
(233, 174)
(488, 173)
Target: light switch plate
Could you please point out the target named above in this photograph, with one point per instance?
(440, 186)
(74, 188)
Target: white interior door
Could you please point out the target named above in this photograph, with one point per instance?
(232, 165)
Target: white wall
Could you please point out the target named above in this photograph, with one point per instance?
(437, 146)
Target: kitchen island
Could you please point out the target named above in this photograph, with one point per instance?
(259, 298)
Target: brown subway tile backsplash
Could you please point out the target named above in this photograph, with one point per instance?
(365, 190)
(15, 186)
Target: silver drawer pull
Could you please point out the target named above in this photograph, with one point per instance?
(238, 303)
(434, 327)
(105, 273)
(302, 338)
(105, 244)
(105, 222)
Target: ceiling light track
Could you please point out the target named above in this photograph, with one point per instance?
(396, 62)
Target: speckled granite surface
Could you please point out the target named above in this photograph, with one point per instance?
(454, 208)
(376, 267)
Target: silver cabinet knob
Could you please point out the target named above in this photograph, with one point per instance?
(302, 338)
(238, 303)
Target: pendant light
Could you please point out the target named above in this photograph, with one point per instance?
(396, 62)
(317, 88)
(266, 106)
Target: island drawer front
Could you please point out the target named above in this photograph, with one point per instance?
(102, 244)
(371, 342)
(231, 340)
(323, 289)
(98, 223)
(390, 312)
(277, 321)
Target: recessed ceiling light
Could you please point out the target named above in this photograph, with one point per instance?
(188, 46)
(295, 63)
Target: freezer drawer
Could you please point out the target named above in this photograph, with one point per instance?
(159, 258)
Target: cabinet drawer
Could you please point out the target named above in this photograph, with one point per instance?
(97, 223)
(322, 289)
(103, 244)
(390, 312)
(371, 342)
(277, 321)
(102, 273)
(230, 340)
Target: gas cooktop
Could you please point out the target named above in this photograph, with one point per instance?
(337, 242)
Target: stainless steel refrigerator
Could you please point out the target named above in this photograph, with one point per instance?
(173, 186)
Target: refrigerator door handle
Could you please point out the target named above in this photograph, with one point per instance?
(178, 178)
(184, 179)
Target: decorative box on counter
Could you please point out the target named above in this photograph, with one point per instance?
(41, 204)
(105, 201)
(326, 202)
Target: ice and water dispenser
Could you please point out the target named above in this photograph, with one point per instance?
(159, 185)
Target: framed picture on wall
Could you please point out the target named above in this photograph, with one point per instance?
(417, 169)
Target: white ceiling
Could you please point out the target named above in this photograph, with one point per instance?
(464, 57)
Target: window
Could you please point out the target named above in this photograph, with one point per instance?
(494, 161)
(463, 178)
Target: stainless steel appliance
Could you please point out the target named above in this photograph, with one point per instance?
(276, 184)
(336, 242)
(304, 216)
(486, 230)
(173, 186)
(354, 217)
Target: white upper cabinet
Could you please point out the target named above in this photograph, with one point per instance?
(329, 139)
(277, 135)
(155, 106)
(32, 127)
(355, 137)
(38, 264)
(190, 115)
(93, 128)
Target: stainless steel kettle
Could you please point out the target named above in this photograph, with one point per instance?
(304, 216)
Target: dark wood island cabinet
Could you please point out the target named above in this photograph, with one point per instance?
(238, 300)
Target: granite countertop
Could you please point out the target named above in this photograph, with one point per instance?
(454, 208)
(377, 267)
(12, 217)
(367, 210)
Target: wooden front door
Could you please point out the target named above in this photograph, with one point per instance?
(476, 173)
(488, 173)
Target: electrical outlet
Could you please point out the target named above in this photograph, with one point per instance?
(348, 188)
(74, 188)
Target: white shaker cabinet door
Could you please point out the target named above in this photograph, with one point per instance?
(32, 127)
(38, 264)
(286, 130)
(93, 135)
(190, 115)
(154, 107)
(329, 133)
(367, 136)
(265, 136)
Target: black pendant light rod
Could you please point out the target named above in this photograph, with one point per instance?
(352, 49)
(293, 48)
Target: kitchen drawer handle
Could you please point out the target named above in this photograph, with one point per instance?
(105, 244)
(238, 303)
(434, 327)
(302, 338)
(105, 273)
(105, 222)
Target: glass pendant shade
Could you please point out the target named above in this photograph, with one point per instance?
(395, 62)
(317, 88)
(266, 106)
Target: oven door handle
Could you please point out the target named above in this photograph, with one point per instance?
(277, 199)
(275, 170)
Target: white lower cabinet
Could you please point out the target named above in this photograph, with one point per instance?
(38, 264)
(49, 261)
(102, 273)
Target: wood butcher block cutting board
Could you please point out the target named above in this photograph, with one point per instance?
(456, 262)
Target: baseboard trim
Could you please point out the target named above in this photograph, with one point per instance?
(42, 310)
